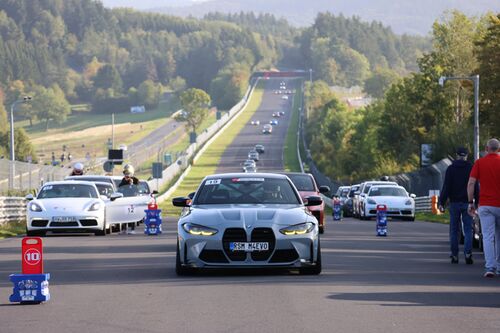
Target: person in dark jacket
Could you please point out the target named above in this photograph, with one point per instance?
(455, 190)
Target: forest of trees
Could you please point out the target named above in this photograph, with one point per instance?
(65, 52)
(385, 137)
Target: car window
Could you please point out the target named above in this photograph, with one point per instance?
(302, 182)
(344, 192)
(353, 189)
(106, 190)
(246, 190)
(93, 179)
(67, 191)
(387, 191)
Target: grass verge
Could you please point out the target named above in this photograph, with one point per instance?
(207, 163)
(291, 159)
(429, 217)
(12, 229)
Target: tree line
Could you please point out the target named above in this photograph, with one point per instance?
(385, 137)
(67, 52)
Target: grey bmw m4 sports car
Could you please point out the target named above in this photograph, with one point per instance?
(243, 220)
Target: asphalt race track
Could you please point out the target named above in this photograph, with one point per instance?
(127, 283)
(272, 159)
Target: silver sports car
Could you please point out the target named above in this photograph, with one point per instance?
(246, 220)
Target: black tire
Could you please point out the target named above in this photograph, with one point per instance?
(179, 269)
(316, 269)
(109, 231)
(101, 232)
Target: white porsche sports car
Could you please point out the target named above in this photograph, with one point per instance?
(398, 202)
(74, 206)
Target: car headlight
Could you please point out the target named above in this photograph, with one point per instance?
(95, 206)
(298, 229)
(198, 230)
(34, 207)
(408, 202)
(371, 202)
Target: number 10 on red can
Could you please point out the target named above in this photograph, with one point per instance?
(32, 252)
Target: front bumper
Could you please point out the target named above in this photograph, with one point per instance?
(403, 211)
(88, 222)
(214, 252)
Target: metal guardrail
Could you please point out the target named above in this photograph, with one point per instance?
(423, 204)
(12, 209)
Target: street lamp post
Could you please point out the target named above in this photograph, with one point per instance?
(475, 79)
(12, 168)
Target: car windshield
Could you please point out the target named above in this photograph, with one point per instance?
(302, 182)
(344, 192)
(134, 190)
(67, 191)
(104, 189)
(387, 191)
(246, 190)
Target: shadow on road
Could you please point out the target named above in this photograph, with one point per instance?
(453, 299)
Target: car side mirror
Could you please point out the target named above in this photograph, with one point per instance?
(29, 197)
(155, 192)
(324, 189)
(103, 197)
(115, 196)
(181, 202)
(413, 196)
(191, 195)
(313, 200)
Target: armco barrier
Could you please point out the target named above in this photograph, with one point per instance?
(423, 204)
(12, 209)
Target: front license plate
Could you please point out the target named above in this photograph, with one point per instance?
(249, 246)
(63, 218)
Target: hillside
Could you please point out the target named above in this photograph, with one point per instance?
(403, 16)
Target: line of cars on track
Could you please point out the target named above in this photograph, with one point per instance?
(361, 200)
(91, 204)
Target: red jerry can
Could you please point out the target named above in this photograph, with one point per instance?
(32, 252)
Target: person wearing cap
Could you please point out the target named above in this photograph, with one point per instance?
(77, 169)
(486, 171)
(127, 180)
(455, 191)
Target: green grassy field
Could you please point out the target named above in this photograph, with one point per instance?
(209, 160)
(81, 120)
(291, 159)
(12, 229)
(429, 217)
(85, 132)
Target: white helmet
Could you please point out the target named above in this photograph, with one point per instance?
(128, 169)
(78, 166)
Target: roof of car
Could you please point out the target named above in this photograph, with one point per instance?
(65, 182)
(246, 175)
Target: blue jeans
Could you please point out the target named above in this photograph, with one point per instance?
(459, 217)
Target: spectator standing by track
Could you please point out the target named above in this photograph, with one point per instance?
(455, 190)
(486, 171)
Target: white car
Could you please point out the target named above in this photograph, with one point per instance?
(284, 97)
(397, 201)
(130, 208)
(68, 206)
(255, 122)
